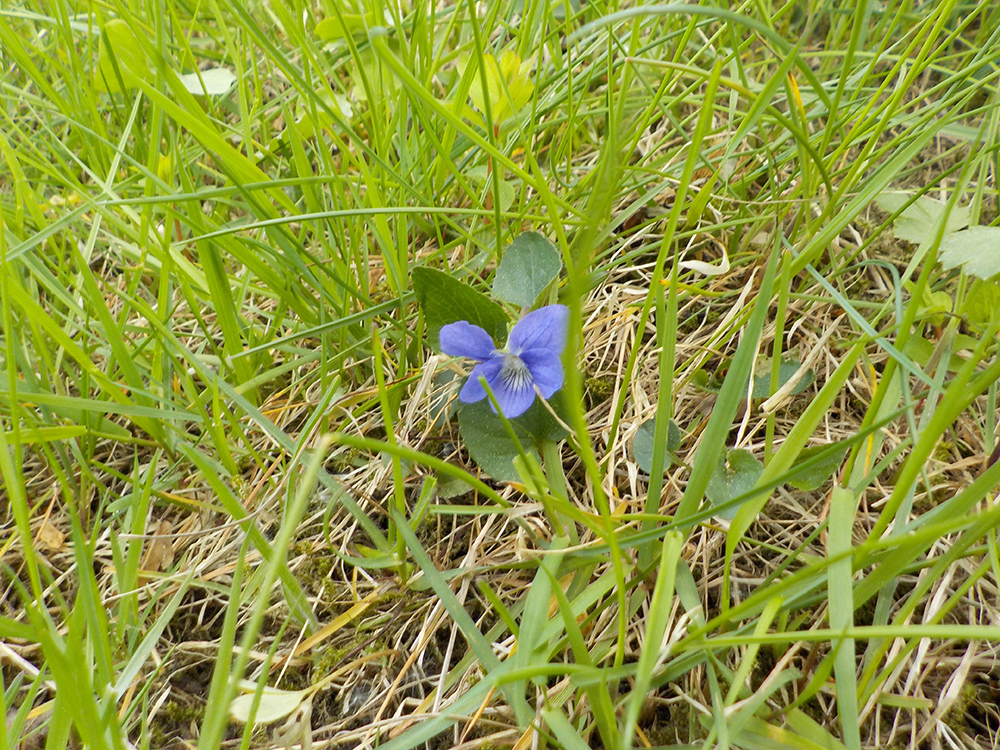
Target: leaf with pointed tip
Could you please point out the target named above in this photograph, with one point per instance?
(445, 300)
(274, 704)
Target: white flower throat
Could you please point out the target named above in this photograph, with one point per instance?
(514, 372)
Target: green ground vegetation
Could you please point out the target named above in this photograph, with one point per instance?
(236, 509)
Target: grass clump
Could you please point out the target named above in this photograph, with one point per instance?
(235, 483)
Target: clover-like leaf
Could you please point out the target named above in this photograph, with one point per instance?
(508, 82)
(918, 221)
(976, 250)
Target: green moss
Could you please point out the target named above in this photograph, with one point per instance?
(327, 660)
(956, 717)
(314, 573)
(181, 713)
(600, 389)
(345, 461)
(172, 719)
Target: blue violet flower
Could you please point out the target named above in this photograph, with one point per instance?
(531, 358)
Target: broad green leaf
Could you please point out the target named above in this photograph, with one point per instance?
(762, 382)
(981, 303)
(812, 476)
(529, 265)
(348, 24)
(976, 250)
(509, 85)
(449, 487)
(539, 422)
(734, 475)
(919, 220)
(274, 704)
(642, 443)
(507, 193)
(445, 300)
(126, 53)
(489, 444)
(211, 82)
(922, 351)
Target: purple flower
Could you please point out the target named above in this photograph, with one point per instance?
(532, 358)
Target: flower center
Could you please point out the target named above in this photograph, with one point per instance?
(514, 373)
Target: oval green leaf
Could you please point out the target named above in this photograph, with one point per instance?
(642, 443)
(735, 475)
(788, 368)
(120, 49)
(491, 447)
(274, 704)
(530, 263)
(488, 442)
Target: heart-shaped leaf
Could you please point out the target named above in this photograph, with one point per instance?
(488, 443)
(446, 300)
(491, 447)
(812, 476)
(642, 443)
(529, 265)
(735, 475)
